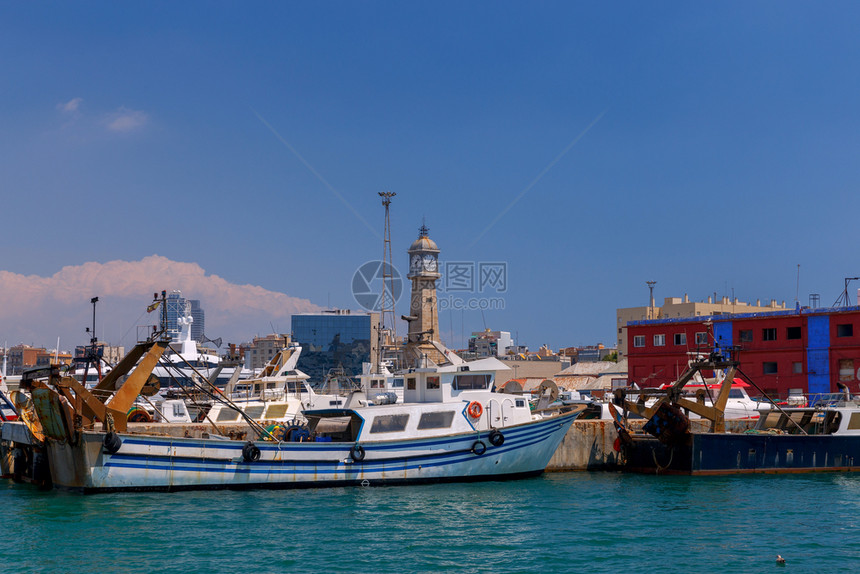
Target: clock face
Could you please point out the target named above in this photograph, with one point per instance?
(415, 264)
(429, 263)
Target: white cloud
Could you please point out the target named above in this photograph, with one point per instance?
(71, 106)
(126, 120)
(37, 309)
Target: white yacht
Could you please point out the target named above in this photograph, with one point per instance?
(186, 361)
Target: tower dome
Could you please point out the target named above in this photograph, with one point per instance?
(423, 243)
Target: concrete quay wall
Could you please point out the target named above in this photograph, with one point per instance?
(588, 445)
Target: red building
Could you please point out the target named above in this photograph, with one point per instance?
(807, 350)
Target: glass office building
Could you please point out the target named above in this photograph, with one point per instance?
(330, 340)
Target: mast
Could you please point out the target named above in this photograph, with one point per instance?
(387, 301)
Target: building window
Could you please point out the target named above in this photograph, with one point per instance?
(846, 369)
(639, 341)
(792, 333)
(768, 334)
(768, 367)
(659, 340)
(680, 338)
(797, 367)
(701, 338)
(845, 330)
(746, 336)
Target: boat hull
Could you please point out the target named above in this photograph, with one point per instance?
(746, 453)
(171, 464)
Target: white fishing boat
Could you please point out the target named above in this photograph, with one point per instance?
(279, 393)
(381, 385)
(451, 427)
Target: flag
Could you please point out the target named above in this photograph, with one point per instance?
(153, 307)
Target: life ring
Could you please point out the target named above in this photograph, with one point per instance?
(357, 453)
(479, 448)
(497, 438)
(250, 452)
(475, 410)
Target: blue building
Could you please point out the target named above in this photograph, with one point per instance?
(333, 339)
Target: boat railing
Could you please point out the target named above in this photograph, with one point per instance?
(819, 400)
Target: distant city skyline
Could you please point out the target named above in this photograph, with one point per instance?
(236, 153)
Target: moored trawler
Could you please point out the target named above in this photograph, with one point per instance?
(823, 437)
(451, 427)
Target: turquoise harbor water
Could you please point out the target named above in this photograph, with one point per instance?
(567, 522)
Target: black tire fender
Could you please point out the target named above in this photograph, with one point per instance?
(357, 453)
(479, 448)
(112, 443)
(497, 438)
(250, 452)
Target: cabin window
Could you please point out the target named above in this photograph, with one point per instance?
(701, 338)
(227, 415)
(845, 330)
(276, 411)
(659, 340)
(854, 421)
(768, 368)
(768, 334)
(410, 383)
(389, 423)
(846, 369)
(745, 336)
(520, 403)
(797, 367)
(680, 338)
(432, 383)
(178, 409)
(639, 341)
(255, 411)
(376, 384)
(438, 420)
(471, 382)
(792, 333)
(397, 383)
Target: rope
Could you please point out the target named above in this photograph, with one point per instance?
(657, 464)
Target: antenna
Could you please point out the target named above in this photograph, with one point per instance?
(843, 300)
(94, 339)
(386, 305)
(797, 291)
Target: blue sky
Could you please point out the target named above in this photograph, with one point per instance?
(715, 149)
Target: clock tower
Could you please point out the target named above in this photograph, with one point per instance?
(423, 311)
